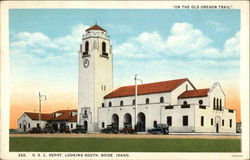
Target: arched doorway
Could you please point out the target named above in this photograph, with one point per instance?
(217, 123)
(127, 121)
(85, 123)
(24, 126)
(115, 121)
(141, 122)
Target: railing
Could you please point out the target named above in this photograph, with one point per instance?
(84, 116)
(202, 106)
(231, 111)
(185, 106)
(169, 107)
(105, 55)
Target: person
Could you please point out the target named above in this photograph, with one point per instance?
(167, 129)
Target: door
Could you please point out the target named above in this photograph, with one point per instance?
(86, 125)
(24, 128)
(217, 127)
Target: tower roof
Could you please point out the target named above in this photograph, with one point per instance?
(95, 27)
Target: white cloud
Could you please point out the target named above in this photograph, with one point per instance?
(184, 40)
(217, 25)
(39, 47)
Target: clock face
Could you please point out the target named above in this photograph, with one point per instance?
(86, 63)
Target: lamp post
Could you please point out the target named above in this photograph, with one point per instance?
(136, 96)
(40, 106)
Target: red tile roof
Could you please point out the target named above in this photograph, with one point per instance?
(194, 93)
(149, 88)
(66, 115)
(35, 116)
(96, 27)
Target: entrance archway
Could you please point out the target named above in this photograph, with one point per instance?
(85, 123)
(217, 123)
(141, 122)
(115, 121)
(127, 121)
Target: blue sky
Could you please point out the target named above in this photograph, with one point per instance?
(202, 45)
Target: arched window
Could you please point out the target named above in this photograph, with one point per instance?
(217, 103)
(214, 104)
(20, 125)
(133, 102)
(155, 124)
(103, 47)
(185, 102)
(162, 100)
(220, 105)
(200, 102)
(29, 125)
(85, 112)
(110, 104)
(86, 46)
(147, 101)
(121, 103)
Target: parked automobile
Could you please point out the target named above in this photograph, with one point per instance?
(64, 129)
(35, 130)
(112, 128)
(79, 129)
(48, 130)
(127, 129)
(159, 129)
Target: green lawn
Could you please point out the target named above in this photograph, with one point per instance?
(24, 144)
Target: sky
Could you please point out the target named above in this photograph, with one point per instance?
(158, 45)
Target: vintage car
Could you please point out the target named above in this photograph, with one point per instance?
(48, 130)
(35, 130)
(112, 128)
(79, 129)
(159, 129)
(64, 129)
(127, 129)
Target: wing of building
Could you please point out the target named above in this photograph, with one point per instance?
(57, 120)
(176, 103)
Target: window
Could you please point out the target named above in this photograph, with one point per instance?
(103, 124)
(133, 102)
(223, 122)
(169, 107)
(162, 100)
(202, 121)
(71, 125)
(230, 123)
(185, 102)
(103, 47)
(212, 121)
(37, 125)
(85, 112)
(121, 103)
(110, 104)
(200, 102)
(29, 125)
(104, 87)
(169, 120)
(86, 47)
(20, 125)
(155, 124)
(102, 104)
(217, 104)
(185, 120)
(186, 87)
(147, 101)
(214, 104)
(220, 105)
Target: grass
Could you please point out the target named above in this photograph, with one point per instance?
(42, 144)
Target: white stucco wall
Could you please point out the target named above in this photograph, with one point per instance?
(25, 120)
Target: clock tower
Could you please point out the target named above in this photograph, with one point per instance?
(95, 78)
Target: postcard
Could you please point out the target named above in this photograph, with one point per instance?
(125, 80)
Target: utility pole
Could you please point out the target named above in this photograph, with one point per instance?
(40, 106)
(136, 97)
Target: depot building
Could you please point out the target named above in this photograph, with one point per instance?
(177, 103)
